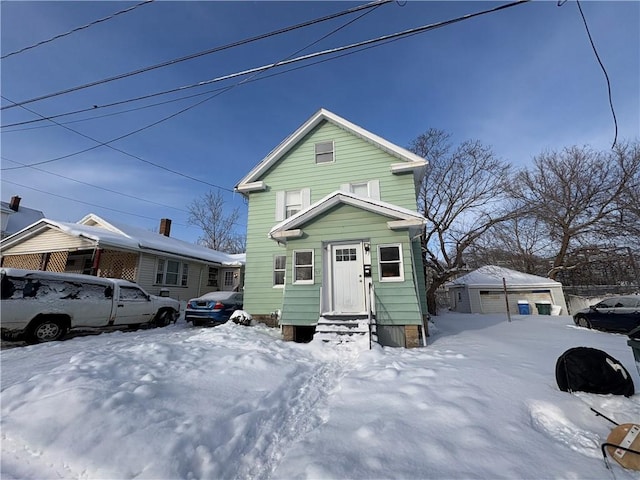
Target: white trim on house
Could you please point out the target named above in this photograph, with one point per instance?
(252, 187)
(320, 116)
(412, 218)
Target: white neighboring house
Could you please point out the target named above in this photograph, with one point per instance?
(15, 217)
(158, 263)
(482, 291)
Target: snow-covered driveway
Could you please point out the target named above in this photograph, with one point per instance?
(235, 402)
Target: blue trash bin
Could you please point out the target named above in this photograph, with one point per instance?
(523, 307)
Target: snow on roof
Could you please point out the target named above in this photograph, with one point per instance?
(116, 234)
(20, 219)
(492, 275)
(338, 196)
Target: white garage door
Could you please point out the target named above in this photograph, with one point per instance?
(492, 301)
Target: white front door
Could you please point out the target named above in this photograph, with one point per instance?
(347, 282)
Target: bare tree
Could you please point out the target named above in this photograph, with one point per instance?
(519, 243)
(219, 229)
(576, 194)
(461, 196)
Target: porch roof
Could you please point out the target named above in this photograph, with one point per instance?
(399, 217)
(107, 234)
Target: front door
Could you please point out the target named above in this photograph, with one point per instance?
(347, 282)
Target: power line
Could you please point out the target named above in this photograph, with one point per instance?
(383, 40)
(199, 54)
(96, 186)
(84, 203)
(604, 70)
(76, 29)
(107, 144)
(155, 123)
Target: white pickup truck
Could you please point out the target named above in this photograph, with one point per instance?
(39, 306)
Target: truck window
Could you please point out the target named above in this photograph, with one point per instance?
(132, 293)
(6, 287)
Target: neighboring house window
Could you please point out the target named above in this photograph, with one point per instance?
(324, 152)
(370, 189)
(279, 269)
(172, 272)
(290, 202)
(390, 261)
(228, 278)
(303, 266)
(212, 280)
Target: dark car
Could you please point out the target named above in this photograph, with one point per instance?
(213, 308)
(615, 314)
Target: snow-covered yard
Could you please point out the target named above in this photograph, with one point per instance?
(481, 401)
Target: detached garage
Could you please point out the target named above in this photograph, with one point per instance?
(482, 291)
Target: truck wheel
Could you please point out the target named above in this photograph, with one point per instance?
(165, 318)
(46, 330)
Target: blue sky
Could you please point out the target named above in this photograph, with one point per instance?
(522, 80)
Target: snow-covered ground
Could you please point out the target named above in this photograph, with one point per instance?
(234, 402)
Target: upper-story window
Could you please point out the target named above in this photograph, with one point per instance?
(324, 152)
(370, 188)
(290, 202)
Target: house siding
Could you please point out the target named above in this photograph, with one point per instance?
(355, 160)
(396, 302)
(48, 241)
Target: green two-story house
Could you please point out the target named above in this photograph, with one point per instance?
(333, 233)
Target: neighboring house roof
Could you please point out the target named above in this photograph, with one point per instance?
(491, 276)
(400, 217)
(411, 159)
(115, 234)
(17, 220)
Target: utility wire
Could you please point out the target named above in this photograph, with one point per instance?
(227, 89)
(604, 70)
(107, 144)
(186, 97)
(126, 10)
(84, 203)
(97, 186)
(383, 39)
(199, 54)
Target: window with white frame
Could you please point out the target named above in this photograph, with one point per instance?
(324, 152)
(290, 202)
(303, 266)
(390, 263)
(212, 278)
(172, 272)
(279, 269)
(368, 188)
(228, 279)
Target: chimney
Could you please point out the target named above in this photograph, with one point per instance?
(165, 227)
(15, 203)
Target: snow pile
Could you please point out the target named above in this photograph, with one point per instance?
(234, 402)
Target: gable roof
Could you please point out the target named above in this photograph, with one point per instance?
(400, 217)
(119, 235)
(413, 160)
(17, 220)
(491, 276)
